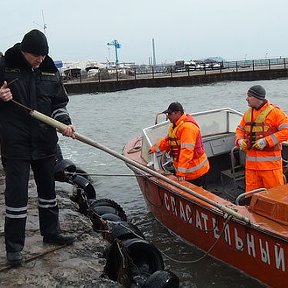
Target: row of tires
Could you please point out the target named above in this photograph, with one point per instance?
(131, 259)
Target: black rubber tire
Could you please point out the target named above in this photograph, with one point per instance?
(145, 256)
(100, 210)
(61, 167)
(124, 230)
(162, 279)
(109, 203)
(85, 184)
(111, 217)
(117, 265)
(83, 174)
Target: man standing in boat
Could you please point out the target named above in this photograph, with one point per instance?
(28, 76)
(185, 146)
(260, 133)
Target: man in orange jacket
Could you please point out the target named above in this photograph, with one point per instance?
(260, 133)
(184, 143)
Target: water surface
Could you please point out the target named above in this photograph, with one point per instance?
(112, 118)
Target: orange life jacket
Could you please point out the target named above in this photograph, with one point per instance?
(257, 129)
(176, 145)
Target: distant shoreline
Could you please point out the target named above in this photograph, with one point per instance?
(175, 80)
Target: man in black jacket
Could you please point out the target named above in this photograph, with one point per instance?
(28, 75)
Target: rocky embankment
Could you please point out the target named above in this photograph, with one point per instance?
(79, 265)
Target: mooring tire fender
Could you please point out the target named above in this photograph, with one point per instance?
(110, 203)
(124, 230)
(83, 173)
(162, 279)
(111, 217)
(84, 184)
(117, 264)
(100, 210)
(61, 167)
(145, 256)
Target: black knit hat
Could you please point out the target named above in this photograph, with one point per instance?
(173, 107)
(257, 91)
(35, 42)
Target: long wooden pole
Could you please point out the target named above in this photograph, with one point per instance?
(61, 127)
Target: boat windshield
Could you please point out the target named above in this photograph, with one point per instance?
(212, 123)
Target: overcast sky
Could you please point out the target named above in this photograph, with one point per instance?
(182, 30)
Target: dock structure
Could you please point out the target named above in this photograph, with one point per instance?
(188, 78)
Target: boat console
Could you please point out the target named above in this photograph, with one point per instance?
(272, 203)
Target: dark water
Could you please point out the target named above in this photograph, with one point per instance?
(113, 118)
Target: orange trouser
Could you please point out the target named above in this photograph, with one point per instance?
(263, 179)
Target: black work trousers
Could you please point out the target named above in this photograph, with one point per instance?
(16, 199)
(201, 181)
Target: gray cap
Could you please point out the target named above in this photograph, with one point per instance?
(257, 91)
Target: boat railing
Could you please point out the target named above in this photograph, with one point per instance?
(248, 194)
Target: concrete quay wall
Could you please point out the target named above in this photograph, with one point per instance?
(175, 81)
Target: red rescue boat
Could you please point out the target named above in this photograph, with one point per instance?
(254, 238)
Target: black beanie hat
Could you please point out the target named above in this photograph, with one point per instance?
(35, 42)
(257, 91)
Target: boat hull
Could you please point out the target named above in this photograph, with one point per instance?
(258, 254)
(254, 238)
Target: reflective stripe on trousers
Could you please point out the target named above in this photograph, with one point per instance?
(16, 198)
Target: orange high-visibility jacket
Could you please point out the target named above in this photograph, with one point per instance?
(271, 123)
(184, 142)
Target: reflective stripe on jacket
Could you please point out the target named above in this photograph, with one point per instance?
(188, 162)
(175, 143)
(257, 129)
(274, 128)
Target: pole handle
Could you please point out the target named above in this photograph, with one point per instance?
(61, 127)
(48, 120)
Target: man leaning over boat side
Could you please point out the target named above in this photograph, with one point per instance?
(29, 77)
(185, 146)
(260, 133)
